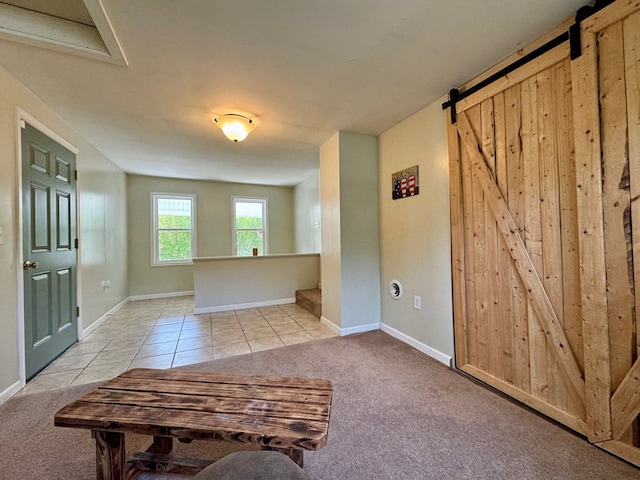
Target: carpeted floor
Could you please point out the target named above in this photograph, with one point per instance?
(396, 414)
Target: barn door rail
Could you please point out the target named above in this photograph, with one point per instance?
(572, 36)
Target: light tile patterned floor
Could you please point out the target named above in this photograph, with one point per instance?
(164, 333)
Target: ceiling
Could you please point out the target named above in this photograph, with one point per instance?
(302, 69)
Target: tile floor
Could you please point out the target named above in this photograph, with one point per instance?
(164, 333)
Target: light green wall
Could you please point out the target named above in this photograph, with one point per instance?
(213, 210)
(359, 241)
(102, 200)
(415, 246)
(350, 248)
(307, 215)
(331, 259)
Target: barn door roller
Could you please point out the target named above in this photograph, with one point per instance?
(573, 36)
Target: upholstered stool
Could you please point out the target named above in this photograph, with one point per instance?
(253, 465)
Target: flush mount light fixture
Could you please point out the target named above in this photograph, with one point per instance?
(235, 127)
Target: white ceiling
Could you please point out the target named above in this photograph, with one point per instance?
(305, 69)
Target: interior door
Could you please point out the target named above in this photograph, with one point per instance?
(545, 199)
(49, 254)
(521, 329)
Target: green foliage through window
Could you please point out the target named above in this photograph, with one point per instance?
(250, 226)
(173, 230)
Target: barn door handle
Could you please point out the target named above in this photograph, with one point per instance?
(27, 265)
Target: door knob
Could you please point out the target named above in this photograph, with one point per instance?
(27, 265)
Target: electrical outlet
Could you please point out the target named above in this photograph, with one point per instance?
(417, 302)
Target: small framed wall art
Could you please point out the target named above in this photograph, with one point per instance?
(405, 183)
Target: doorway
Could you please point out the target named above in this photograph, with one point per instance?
(49, 248)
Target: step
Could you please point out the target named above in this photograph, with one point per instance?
(310, 300)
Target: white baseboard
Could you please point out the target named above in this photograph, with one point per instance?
(85, 332)
(350, 330)
(426, 349)
(240, 306)
(152, 296)
(10, 391)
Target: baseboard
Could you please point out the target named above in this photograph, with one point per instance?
(10, 391)
(349, 330)
(240, 306)
(151, 296)
(85, 332)
(426, 349)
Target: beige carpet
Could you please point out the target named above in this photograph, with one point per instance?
(396, 414)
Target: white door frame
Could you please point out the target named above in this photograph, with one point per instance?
(24, 117)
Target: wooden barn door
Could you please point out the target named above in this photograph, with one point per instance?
(545, 201)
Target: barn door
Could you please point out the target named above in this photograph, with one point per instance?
(545, 196)
(521, 330)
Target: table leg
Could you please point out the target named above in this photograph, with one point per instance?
(294, 454)
(161, 445)
(110, 455)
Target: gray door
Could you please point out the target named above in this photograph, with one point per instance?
(49, 253)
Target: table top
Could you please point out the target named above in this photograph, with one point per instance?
(283, 412)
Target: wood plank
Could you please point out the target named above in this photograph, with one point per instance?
(470, 285)
(543, 407)
(609, 15)
(516, 200)
(631, 29)
(572, 310)
(521, 259)
(230, 391)
(481, 317)
(110, 455)
(457, 245)
(223, 378)
(625, 402)
(590, 225)
(533, 233)
(194, 424)
(550, 220)
(616, 202)
(622, 450)
(186, 401)
(156, 462)
(505, 290)
(516, 77)
(491, 245)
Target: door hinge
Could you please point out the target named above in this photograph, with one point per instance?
(77, 311)
(75, 175)
(76, 243)
(23, 124)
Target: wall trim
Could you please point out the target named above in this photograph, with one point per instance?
(422, 347)
(152, 296)
(240, 306)
(349, 330)
(10, 391)
(102, 319)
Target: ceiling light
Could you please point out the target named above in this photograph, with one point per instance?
(235, 127)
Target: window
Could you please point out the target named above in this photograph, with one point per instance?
(250, 226)
(174, 230)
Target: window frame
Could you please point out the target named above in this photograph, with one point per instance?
(155, 196)
(265, 222)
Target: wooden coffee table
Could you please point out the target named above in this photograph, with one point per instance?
(286, 414)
